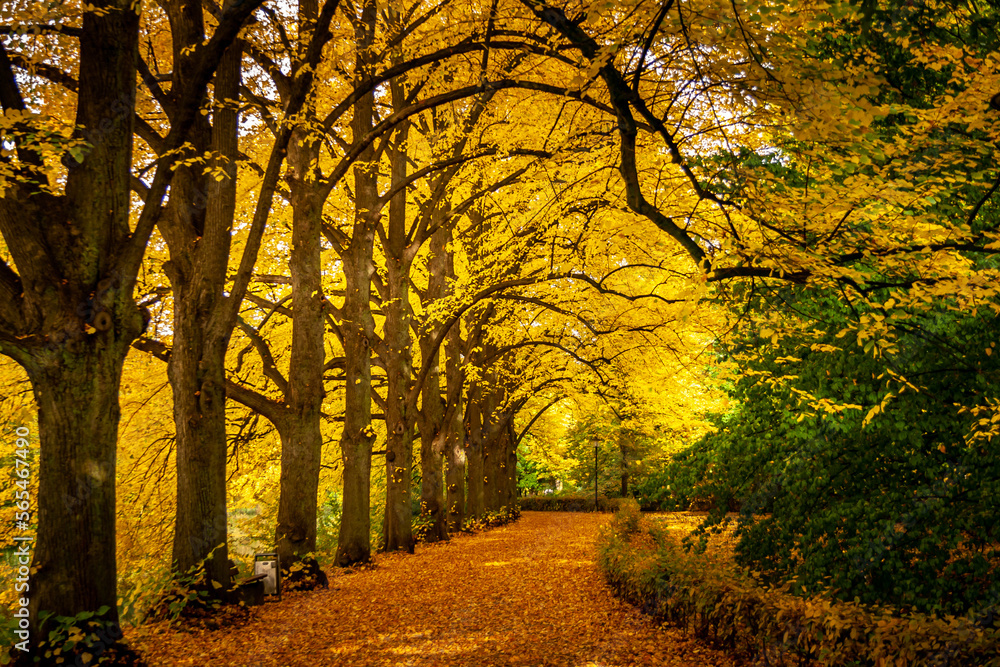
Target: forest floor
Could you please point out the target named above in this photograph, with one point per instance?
(524, 594)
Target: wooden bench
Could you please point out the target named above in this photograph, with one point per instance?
(252, 590)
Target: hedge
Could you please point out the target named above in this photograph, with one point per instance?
(648, 566)
(568, 503)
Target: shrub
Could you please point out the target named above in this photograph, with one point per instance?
(648, 566)
(628, 517)
(568, 503)
(492, 519)
(422, 524)
(888, 501)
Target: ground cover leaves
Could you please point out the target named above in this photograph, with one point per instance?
(524, 594)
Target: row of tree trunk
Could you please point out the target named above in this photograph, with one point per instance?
(69, 316)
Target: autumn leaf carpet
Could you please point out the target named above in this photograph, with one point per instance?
(524, 594)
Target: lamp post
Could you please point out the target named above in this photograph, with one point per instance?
(595, 442)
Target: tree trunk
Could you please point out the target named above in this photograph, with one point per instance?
(474, 452)
(455, 475)
(68, 318)
(354, 541)
(509, 481)
(453, 428)
(301, 437)
(197, 377)
(354, 544)
(301, 444)
(434, 432)
(74, 567)
(433, 436)
(197, 227)
(623, 449)
(399, 424)
(398, 526)
(492, 456)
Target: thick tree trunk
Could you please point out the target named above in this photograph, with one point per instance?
(68, 319)
(197, 377)
(453, 426)
(398, 525)
(455, 474)
(74, 567)
(508, 482)
(301, 443)
(354, 541)
(454, 432)
(492, 455)
(474, 452)
(435, 434)
(301, 437)
(399, 425)
(197, 227)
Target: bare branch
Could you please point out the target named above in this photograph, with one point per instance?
(267, 359)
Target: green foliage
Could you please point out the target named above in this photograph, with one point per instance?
(171, 596)
(421, 526)
(618, 449)
(328, 522)
(569, 502)
(83, 639)
(528, 472)
(648, 566)
(141, 591)
(677, 484)
(889, 506)
(864, 455)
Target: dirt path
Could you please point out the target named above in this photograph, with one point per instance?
(525, 594)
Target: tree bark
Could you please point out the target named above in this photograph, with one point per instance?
(474, 452)
(68, 318)
(197, 377)
(623, 448)
(301, 437)
(354, 542)
(197, 228)
(453, 427)
(75, 559)
(508, 487)
(455, 473)
(491, 436)
(398, 528)
(435, 433)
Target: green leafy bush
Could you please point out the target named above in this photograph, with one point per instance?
(678, 485)
(569, 503)
(896, 510)
(649, 567)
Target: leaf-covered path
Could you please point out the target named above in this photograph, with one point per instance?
(524, 594)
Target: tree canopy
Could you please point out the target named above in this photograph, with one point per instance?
(333, 277)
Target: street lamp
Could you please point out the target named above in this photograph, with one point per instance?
(594, 441)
